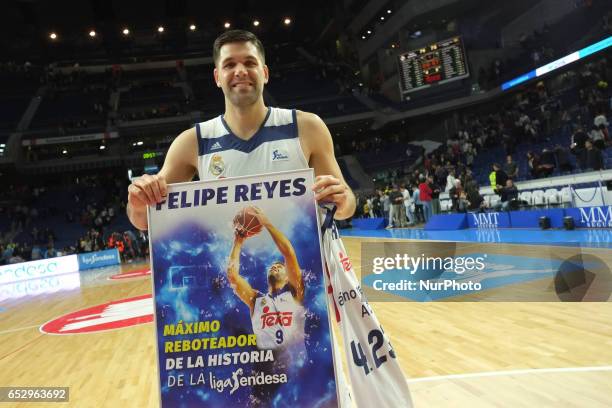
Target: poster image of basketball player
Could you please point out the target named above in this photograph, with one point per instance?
(278, 315)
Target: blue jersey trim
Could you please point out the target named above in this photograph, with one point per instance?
(276, 293)
(294, 115)
(200, 140)
(232, 142)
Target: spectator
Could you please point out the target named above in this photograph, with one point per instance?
(455, 195)
(425, 195)
(597, 136)
(450, 180)
(497, 177)
(600, 120)
(418, 206)
(386, 207)
(474, 199)
(435, 196)
(51, 252)
(547, 163)
(407, 204)
(398, 216)
(533, 161)
(577, 146)
(593, 157)
(563, 160)
(511, 167)
(509, 197)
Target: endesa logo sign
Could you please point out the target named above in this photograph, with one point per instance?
(99, 259)
(38, 269)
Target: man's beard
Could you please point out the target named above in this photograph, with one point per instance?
(275, 278)
(244, 99)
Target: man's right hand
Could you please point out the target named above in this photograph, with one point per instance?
(147, 190)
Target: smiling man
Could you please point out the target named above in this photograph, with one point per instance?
(249, 138)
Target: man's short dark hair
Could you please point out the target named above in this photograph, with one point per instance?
(237, 36)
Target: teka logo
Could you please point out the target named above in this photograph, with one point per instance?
(345, 261)
(108, 316)
(486, 220)
(279, 154)
(596, 217)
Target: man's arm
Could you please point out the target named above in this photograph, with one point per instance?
(241, 287)
(180, 165)
(294, 273)
(330, 186)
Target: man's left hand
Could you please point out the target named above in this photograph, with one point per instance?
(329, 189)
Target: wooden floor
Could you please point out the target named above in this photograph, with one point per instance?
(455, 354)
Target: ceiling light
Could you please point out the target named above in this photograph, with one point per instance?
(382, 18)
(64, 151)
(139, 143)
(192, 27)
(388, 11)
(256, 23)
(369, 32)
(102, 147)
(363, 37)
(126, 31)
(53, 36)
(92, 33)
(227, 25)
(287, 21)
(160, 29)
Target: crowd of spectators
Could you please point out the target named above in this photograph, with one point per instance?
(27, 235)
(534, 116)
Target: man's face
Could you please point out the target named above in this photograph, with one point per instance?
(277, 275)
(241, 73)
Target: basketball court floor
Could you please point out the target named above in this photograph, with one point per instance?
(93, 331)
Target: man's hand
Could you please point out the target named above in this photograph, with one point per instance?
(329, 189)
(238, 237)
(263, 219)
(147, 190)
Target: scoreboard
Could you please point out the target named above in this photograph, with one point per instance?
(438, 63)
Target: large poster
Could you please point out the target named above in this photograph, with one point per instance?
(240, 300)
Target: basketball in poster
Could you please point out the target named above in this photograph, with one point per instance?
(240, 301)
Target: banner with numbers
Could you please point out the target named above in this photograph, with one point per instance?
(240, 299)
(376, 377)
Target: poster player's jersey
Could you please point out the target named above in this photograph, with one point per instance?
(274, 147)
(278, 320)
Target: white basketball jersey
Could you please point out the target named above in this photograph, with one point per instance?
(274, 147)
(376, 377)
(278, 320)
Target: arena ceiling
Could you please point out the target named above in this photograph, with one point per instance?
(30, 22)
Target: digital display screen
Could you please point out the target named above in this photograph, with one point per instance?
(437, 63)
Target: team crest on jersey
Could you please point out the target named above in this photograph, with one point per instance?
(279, 155)
(217, 166)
